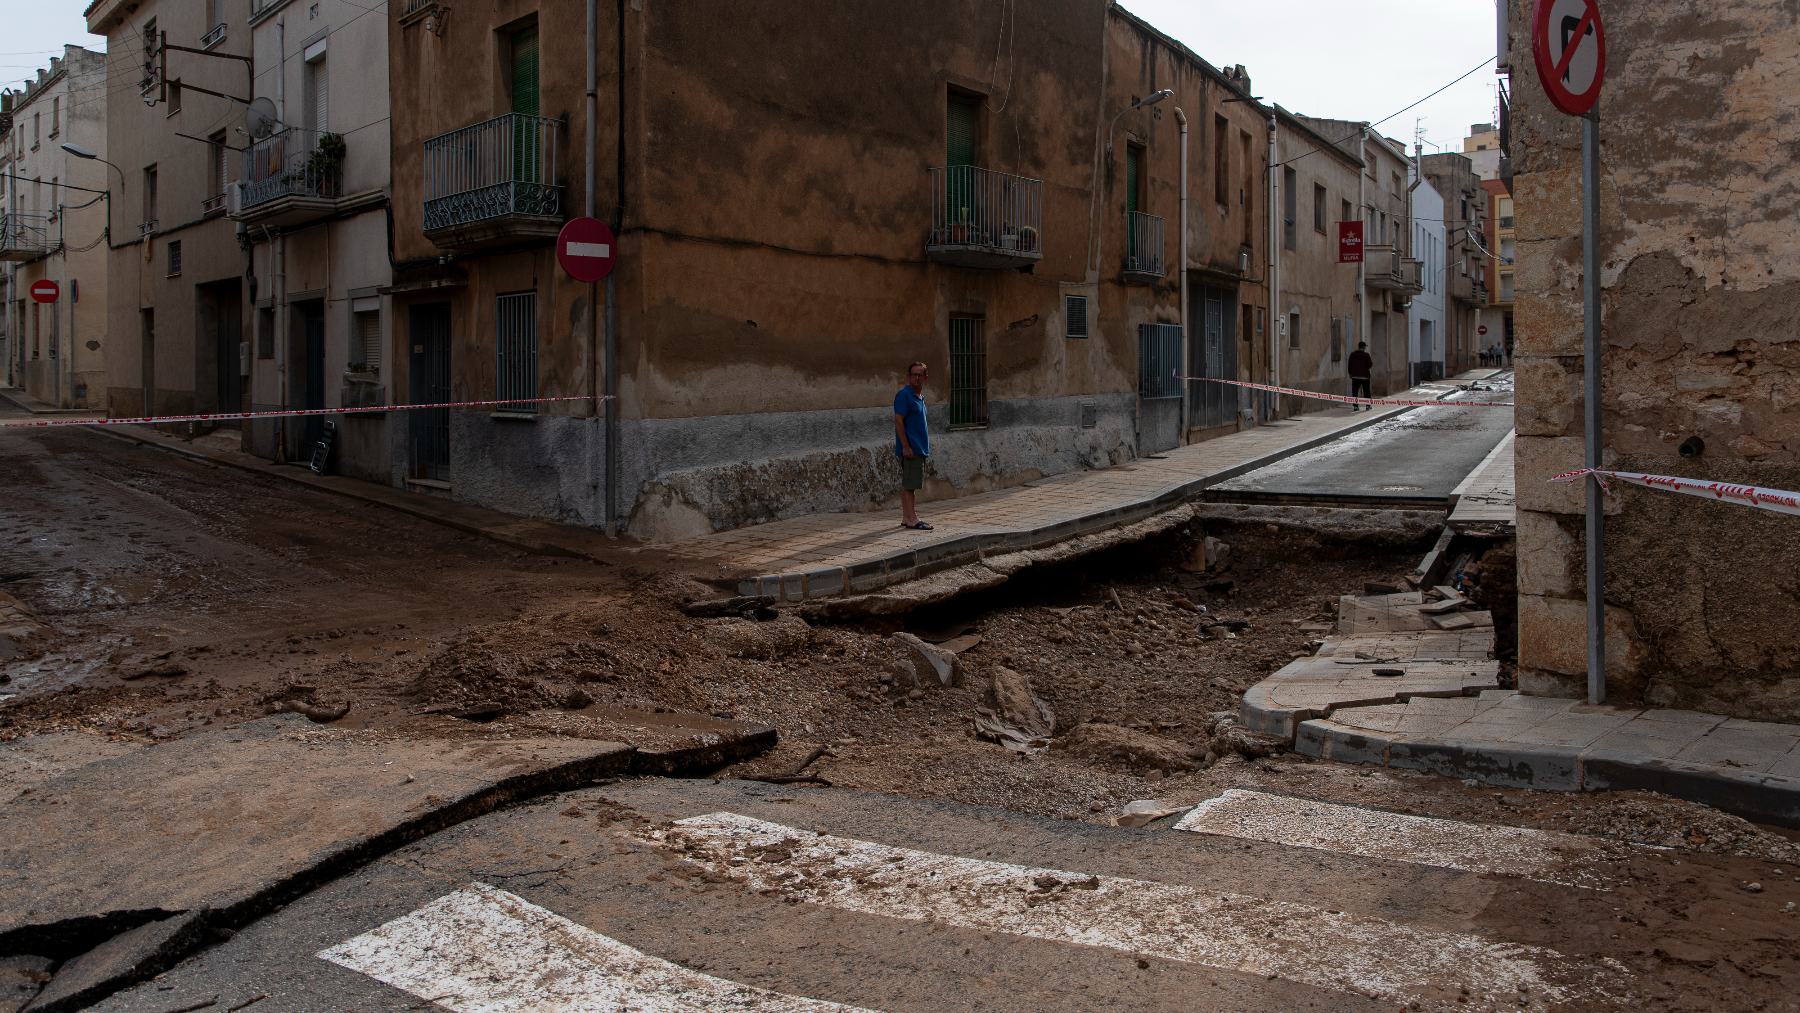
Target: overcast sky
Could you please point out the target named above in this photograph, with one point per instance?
(1353, 61)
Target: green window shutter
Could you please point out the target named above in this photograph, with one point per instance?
(959, 131)
(525, 72)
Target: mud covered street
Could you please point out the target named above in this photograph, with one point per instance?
(174, 603)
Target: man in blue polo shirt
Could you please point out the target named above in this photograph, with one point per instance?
(912, 443)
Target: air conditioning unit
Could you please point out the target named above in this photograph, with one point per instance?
(234, 200)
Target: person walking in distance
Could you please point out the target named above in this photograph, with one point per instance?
(1361, 364)
(912, 443)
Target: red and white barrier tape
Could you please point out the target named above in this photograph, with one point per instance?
(1345, 399)
(151, 420)
(1778, 500)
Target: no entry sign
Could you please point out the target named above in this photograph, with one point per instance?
(1480, 328)
(45, 290)
(586, 249)
(1568, 44)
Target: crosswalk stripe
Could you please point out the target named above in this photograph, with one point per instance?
(484, 950)
(1542, 855)
(1303, 944)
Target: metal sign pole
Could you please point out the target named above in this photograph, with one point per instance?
(1590, 307)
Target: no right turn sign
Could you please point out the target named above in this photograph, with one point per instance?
(1568, 44)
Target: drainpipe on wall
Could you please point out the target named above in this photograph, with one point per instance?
(1413, 186)
(1275, 275)
(611, 364)
(593, 142)
(1362, 266)
(1181, 265)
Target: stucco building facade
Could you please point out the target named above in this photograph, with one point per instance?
(53, 227)
(1701, 304)
(176, 272)
(309, 196)
(1318, 297)
(1427, 318)
(786, 248)
(1465, 262)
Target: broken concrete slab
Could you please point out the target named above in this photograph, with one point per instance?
(229, 823)
(22, 977)
(930, 664)
(126, 957)
(1014, 716)
(31, 760)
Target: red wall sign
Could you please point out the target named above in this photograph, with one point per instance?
(45, 290)
(1350, 242)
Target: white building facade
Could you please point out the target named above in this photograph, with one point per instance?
(1426, 317)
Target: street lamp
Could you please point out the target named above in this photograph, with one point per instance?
(80, 152)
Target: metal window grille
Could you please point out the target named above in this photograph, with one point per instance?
(1075, 316)
(1337, 339)
(515, 346)
(968, 372)
(1159, 358)
(1293, 330)
(174, 257)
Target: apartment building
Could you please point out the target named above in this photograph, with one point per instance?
(1318, 187)
(1390, 274)
(1465, 272)
(178, 75)
(1502, 247)
(792, 232)
(53, 227)
(1427, 317)
(308, 191)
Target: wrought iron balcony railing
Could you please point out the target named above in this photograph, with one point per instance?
(983, 218)
(24, 236)
(1143, 244)
(506, 166)
(291, 163)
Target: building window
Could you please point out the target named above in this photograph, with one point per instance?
(149, 218)
(1337, 339)
(367, 332)
(1075, 317)
(173, 90)
(1294, 329)
(1221, 161)
(218, 166)
(174, 256)
(1319, 201)
(1290, 207)
(265, 333)
(515, 347)
(315, 89)
(55, 116)
(37, 130)
(968, 372)
(1159, 358)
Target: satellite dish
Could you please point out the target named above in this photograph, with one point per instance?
(259, 118)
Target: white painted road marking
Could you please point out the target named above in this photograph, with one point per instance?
(601, 250)
(1543, 855)
(1308, 945)
(483, 950)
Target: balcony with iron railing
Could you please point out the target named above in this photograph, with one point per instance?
(24, 236)
(493, 182)
(1143, 247)
(983, 218)
(1388, 267)
(290, 178)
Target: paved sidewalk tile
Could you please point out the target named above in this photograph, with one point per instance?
(770, 558)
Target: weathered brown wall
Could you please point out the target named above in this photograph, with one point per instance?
(1701, 305)
(1312, 280)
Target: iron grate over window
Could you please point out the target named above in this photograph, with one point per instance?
(968, 372)
(515, 349)
(1075, 316)
(1159, 358)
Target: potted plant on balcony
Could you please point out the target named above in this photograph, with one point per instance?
(326, 161)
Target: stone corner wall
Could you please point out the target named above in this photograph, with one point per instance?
(1700, 252)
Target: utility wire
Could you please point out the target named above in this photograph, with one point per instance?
(1371, 126)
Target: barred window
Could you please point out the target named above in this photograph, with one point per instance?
(515, 347)
(968, 372)
(1159, 358)
(174, 257)
(368, 340)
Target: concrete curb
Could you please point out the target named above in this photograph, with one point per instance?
(1770, 798)
(389, 499)
(910, 564)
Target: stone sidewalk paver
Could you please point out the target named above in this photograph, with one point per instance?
(826, 554)
(1485, 498)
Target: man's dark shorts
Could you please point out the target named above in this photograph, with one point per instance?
(912, 473)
